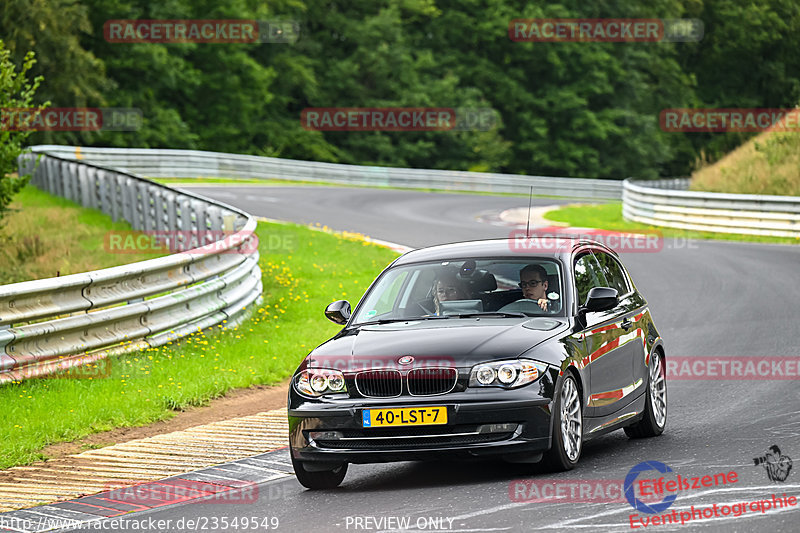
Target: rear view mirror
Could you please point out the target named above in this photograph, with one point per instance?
(601, 299)
(338, 312)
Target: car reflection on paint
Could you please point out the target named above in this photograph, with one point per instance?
(446, 356)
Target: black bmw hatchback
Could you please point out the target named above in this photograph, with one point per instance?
(474, 350)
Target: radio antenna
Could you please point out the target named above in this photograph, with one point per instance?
(528, 226)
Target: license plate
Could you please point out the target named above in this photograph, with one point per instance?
(404, 416)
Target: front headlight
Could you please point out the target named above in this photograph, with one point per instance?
(485, 374)
(505, 374)
(316, 382)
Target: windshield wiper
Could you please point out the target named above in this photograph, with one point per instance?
(497, 314)
(406, 319)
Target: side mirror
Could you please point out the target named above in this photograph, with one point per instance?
(601, 299)
(339, 312)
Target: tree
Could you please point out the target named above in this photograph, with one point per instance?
(15, 92)
(73, 76)
(748, 58)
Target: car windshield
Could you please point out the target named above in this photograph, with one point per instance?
(465, 288)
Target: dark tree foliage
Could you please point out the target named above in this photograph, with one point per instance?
(565, 109)
(16, 92)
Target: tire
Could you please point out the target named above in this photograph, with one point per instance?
(325, 479)
(654, 418)
(567, 428)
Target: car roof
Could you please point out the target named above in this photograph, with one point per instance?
(557, 247)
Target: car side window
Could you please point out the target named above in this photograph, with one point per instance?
(588, 274)
(613, 273)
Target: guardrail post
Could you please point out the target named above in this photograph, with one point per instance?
(150, 201)
(49, 170)
(200, 223)
(183, 222)
(25, 165)
(65, 178)
(215, 218)
(6, 361)
(103, 189)
(57, 183)
(86, 178)
(68, 177)
(38, 175)
(77, 184)
(159, 210)
(127, 198)
(116, 196)
(139, 204)
(171, 214)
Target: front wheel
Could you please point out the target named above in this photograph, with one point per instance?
(654, 418)
(567, 428)
(324, 479)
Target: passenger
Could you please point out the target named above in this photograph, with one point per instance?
(533, 282)
(448, 287)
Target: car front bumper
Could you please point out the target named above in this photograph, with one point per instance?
(509, 424)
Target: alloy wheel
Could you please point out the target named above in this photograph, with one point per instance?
(571, 421)
(658, 390)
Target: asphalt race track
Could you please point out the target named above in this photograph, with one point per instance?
(707, 298)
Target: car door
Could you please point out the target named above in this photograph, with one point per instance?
(606, 355)
(632, 308)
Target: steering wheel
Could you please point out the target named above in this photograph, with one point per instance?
(530, 306)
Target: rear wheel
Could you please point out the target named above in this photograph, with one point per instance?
(322, 479)
(567, 428)
(654, 418)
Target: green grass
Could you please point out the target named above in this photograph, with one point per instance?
(303, 271)
(609, 217)
(766, 164)
(46, 236)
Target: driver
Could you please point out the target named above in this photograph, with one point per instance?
(533, 282)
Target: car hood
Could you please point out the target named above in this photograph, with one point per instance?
(462, 342)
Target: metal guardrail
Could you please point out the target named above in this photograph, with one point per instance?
(192, 163)
(667, 203)
(53, 324)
